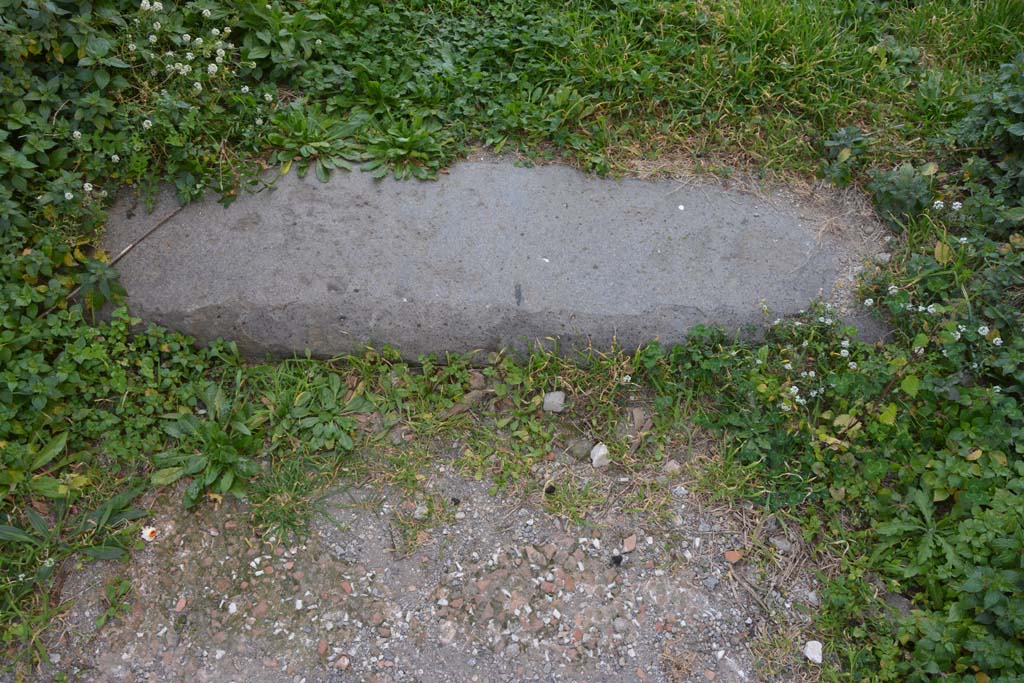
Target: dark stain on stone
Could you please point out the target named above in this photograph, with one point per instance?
(519, 294)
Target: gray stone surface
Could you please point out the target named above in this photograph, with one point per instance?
(490, 256)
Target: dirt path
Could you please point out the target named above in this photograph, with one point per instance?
(451, 584)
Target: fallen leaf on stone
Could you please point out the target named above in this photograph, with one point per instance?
(629, 544)
(180, 605)
(733, 556)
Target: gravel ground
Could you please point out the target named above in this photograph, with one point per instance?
(472, 587)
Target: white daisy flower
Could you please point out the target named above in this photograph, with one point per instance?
(69, 196)
(983, 330)
(939, 205)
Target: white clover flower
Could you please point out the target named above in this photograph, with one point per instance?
(158, 6)
(87, 187)
(919, 350)
(215, 31)
(957, 206)
(189, 56)
(801, 400)
(852, 365)
(168, 54)
(259, 121)
(211, 69)
(845, 343)
(115, 158)
(785, 407)
(245, 90)
(814, 393)
(821, 318)
(227, 30)
(69, 196)
(829, 321)
(220, 52)
(844, 352)
(132, 47)
(893, 289)
(77, 135)
(998, 341)
(962, 240)
(268, 97)
(932, 308)
(804, 344)
(206, 14)
(198, 86)
(152, 39)
(147, 124)
(218, 59)
(318, 42)
(921, 309)
(197, 42)
(788, 366)
(793, 391)
(996, 389)
(961, 328)
(939, 205)
(626, 379)
(908, 306)
(983, 330)
(869, 302)
(103, 193)
(956, 335)
(145, 6)
(186, 38)
(156, 25)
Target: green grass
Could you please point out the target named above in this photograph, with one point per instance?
(899, 459)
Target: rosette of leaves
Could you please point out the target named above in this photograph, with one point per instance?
(215, 450)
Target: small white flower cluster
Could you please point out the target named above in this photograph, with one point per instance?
(147, 6)
(869, 302)
(939, 205)
(809, 374)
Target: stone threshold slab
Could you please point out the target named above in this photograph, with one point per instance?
(489, 256)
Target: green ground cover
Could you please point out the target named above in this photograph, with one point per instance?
(906, 455)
